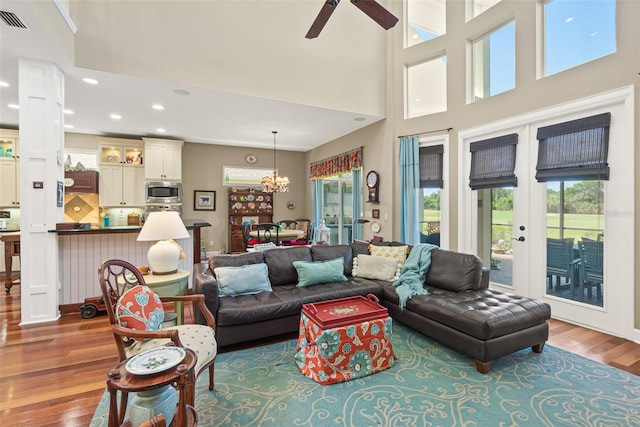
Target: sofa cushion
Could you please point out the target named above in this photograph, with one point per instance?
(375, 267)
(280, 263)
(360, 249)
(396, 253)
(235, 260)
(314, 272)
(327, 252)
(454, 271)
(243, 280)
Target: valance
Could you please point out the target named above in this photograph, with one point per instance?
(337, 165)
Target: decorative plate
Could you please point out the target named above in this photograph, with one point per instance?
(155, 360)
(250, 197)
(251, 159)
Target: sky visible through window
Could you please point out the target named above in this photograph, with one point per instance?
(578, 31)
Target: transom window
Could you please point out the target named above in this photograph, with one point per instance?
(426, 20)
(427, 87)
(576, 32)
(494, 62)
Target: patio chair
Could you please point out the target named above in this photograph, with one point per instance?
(561, 262)
(119, 278)
(591, 267)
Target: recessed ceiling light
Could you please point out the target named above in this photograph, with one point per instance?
(359, 119)
(14, 106)
(70, 112)
(158, 107)
(161, 130)
(115, 116)
(4, 84)
(90, 81)
(68, 126)
(182, 92)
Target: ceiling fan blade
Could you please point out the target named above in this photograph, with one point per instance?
(322, 18)
(376, 12)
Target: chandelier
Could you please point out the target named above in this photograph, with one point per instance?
(275, 183)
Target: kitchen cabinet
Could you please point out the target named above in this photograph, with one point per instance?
(121, 177)
(9, 169)
(163, 159)
(247, 204)
(81, 182)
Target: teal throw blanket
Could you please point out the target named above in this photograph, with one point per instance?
(414, 270)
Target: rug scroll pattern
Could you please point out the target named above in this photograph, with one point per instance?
(430, 385)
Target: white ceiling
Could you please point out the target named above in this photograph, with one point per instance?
(204, 116)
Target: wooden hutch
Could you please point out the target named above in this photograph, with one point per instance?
(246, 204)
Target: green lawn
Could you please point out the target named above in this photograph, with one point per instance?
(575, 225)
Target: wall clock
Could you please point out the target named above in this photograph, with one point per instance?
(373, 183)
(251, 159)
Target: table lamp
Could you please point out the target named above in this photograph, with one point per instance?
(163, 226)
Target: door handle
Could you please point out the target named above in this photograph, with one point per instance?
(519, 239)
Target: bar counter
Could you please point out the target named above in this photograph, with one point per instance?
(81, 251)
(191, 224)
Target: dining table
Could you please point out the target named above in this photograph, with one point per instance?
(282, 234)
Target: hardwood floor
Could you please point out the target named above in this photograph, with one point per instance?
(54, 374)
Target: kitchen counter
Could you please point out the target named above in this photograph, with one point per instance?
(190, 224)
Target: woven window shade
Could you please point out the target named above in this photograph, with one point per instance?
(493, 162)
(431, 166)
(575, 150)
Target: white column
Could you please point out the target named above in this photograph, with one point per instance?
(41, 87)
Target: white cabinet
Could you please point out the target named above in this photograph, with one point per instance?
(9, 169)
(163, 159)
(121, 172)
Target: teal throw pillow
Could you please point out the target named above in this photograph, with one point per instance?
(311, 273)
(244, 280)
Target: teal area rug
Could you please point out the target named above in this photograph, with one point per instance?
(430, 385)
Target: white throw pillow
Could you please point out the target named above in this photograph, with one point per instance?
(376, 267)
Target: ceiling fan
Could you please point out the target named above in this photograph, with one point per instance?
(376, 12)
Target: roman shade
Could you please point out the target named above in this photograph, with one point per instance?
(431, 166)
(574, 150)
(493, 162)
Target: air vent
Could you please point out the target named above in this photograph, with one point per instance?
(12, 20)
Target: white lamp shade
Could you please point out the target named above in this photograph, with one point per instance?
(164, 256)
(163, 226)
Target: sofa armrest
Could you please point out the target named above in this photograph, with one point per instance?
(484, 280)
(205, 283)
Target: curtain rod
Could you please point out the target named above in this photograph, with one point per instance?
(429, 131)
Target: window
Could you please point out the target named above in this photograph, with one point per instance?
(241, 176)
(494, 66)
(432, 197)
(78, 159)
(576, 32)
(479, 6)
(426, 88)
(426, 19)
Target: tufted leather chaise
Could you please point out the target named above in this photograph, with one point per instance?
(458, 310)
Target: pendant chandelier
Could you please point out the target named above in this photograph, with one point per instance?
(275, 183)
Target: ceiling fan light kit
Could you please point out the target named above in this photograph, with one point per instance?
(371, 8)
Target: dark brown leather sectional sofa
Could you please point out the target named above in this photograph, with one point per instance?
(458, 310)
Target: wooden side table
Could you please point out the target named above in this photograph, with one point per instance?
(180, 376)
(169, 285)
(11, 249)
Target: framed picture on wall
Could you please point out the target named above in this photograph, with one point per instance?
(204, 200)
(375, 213)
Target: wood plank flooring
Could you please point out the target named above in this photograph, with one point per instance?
(54, 374)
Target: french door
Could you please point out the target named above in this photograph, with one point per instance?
(512, 228)
(337, 208)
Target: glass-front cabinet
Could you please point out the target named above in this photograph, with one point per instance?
(121, 172)
(9, 169)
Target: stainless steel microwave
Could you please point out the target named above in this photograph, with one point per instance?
(163, 192)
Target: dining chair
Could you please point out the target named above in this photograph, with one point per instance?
(561, 263)
(289, 224)
(591, 267)
(119, 278)
(249, 240)
(307, 226)
(267, 232)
